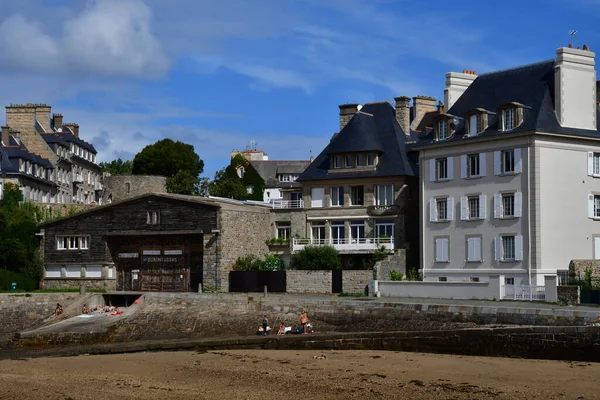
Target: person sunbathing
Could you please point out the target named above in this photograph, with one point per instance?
(59, 310)
(281, 330)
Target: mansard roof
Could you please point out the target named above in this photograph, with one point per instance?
(269, 169)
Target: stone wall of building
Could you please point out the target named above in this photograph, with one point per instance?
(102, 284)
(121, 187)
(570, 295)
(243, 231)
(298, 281)
(356, 281)
(396, 262)
(577, 268)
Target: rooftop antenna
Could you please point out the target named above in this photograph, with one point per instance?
(572, 33)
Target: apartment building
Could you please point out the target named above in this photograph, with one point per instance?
(510, 173)
(41, 146)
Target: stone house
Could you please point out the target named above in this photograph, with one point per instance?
(153, 242)
(508, 140)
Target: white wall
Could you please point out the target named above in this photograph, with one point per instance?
(272, 194)
(442, 290)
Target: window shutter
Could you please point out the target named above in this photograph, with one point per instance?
(463, 166)
(476, 249)
(450, 167)
(482, 206)
(473, 125)
(497, 205)
(591, 206)
(518, 203)
(464, 202)
(432, 170)
(438, 249)
(450, 208)
(497, 170)
(519, 248)
(445, 250)
(518, 162)
(498, 248)
(590, 163)
(469, 249)
(482, 164)
(432, 210)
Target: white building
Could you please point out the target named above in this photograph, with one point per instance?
(510, 173)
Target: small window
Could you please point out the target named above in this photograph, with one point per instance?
(442, 130)
(508, 119)
(155, 217)
(283, 230)
(508, 161)
(509, 281)
(337, 162)
(357, 195)
(508, 248)
(148, 218)
(337, 196)
(508, 204)
(442, 279)
(61, 243)
(596, 164)
(348, 163)
(360, 160)
(474, 279)
(370, 160)
(474, 125)
(441, 169)
(473, 165)
(442, 209)
(474, 209)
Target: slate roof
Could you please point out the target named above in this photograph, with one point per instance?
(69, 137)
(531, 85)
(374, 128)
(51, 137)
(269, 169)
(11, 154)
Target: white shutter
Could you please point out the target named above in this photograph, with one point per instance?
(441, 249)
(497, 170)
(498, 248)
(476, 249)
(317, 197)
(438, 249)
(470, 249)
(432, 170)
(518, 162)
(473, 125)
(463, 166)
(450, 208)
(518, 248)
(464, 203)
(432, 210)
(482, 206)
(591, 206)
(590, 163)
(497, 205)
(596, 249)
(518, 203)
(482, 164)
(450, 167)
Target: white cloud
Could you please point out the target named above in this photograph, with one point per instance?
(110, 37)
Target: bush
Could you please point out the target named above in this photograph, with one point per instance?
(23, 281)
(316, 258)
(272, 262)
(396, 276)
(413, 275)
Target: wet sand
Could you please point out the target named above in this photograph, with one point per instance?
(256, 374)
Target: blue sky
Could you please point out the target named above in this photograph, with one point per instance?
(220, 73)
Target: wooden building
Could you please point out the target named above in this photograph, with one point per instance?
(153, 242)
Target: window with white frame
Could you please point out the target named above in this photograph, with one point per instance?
(357, 195)
(473, 165)
(337, 162)
(360, 160)
(442, 130)
(594, 206)
(509, 248)
(508, 161)
(370, 160)
(442, 249)
(283, 230)
(509, 281)
(317, 198)
(384, 195)
(594, 164)
(474, 207)
(508, 205)
(508, 119)
(441, 169)
(474, 249)
(357, 230)
(338, 232)
(474, 125)
(318, 233)
(337, 196)
(384, 229)
(442, 209)
(78, 242)
(348, 162)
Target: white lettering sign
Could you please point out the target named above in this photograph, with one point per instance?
(173, 252)
(160, 259)
(151, 252)
(128, 255)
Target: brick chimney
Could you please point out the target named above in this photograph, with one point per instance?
(456, 84)
(403, 113)
(440, 108)
(421, 105)
(73, 127)
(43, 115)
(57, 121)
(575, 88)
(347, 111)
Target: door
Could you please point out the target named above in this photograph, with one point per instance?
(318, 234)
(336, 281)
(196, 271)
(135, 280)
(338, 232)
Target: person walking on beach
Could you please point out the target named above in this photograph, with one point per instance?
(265, 324)
(304, 322)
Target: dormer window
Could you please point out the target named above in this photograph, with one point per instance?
(337, 162)
(442, 130)
(508, 119)
(511, 116)
(348, 161)
(370, 160)
(360, 160)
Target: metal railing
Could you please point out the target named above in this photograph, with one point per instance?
(523, 292)
(288, 203)
(345, 244)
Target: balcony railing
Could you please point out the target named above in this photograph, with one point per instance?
(288, 203)
(346, 244)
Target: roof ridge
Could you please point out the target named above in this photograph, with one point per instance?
(517, 67)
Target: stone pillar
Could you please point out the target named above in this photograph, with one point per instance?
(403, 113)
(209, 262)
(551, 288)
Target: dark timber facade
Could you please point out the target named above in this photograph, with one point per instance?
(154, 242)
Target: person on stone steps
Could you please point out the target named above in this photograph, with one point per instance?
(265, 325)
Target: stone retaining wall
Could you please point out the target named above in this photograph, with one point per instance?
(356, 281)
(569, 295)
(106, 284)
(308, 281)
(577, 268)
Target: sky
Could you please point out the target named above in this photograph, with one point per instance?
(219, 73)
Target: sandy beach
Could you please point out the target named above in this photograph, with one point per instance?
(255, 374)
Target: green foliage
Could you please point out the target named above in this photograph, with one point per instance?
(271, 262)
(23, 281)
(117, 167)
(380, 254)
(227, 182)
(316, 258)
(277, 242)
(175, 160)
(413, 275)
(587, 282)
(396, 276)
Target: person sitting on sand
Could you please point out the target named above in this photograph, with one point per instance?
(281, 330)
(85, 309)
(303, 322)
(59, 310)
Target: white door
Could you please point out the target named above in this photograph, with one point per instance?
(597, 248)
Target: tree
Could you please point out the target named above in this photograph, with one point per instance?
(166, 158)
(225, 186)
(316, 258)
(117, 167)
(183, 182)
(229, 183)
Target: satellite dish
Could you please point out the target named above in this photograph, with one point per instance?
(359, 107)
